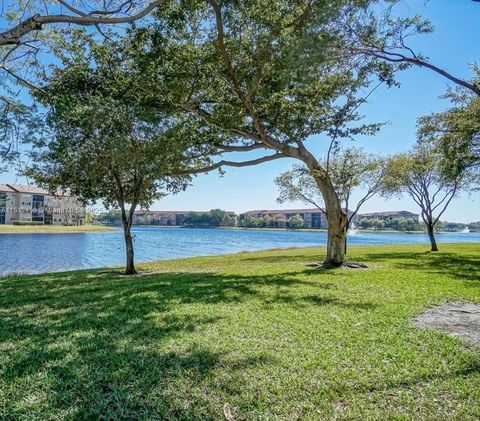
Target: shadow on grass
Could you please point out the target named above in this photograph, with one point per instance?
(99, 344)
(472, 369)
(290, 258)
(466, 267)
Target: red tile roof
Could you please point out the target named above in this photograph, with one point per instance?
(280, 211)
(20, 188)
(389, 213)
(159, 212)
(6, 188)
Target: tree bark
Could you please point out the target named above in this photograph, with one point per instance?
(130, 267)
(337, 225)
(336, 217)
(336, 243)
(36, 22)
(431, 236)
(127, 219)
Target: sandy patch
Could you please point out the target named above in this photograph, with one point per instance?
(459, 319)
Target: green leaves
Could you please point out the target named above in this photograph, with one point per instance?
(109, 142)
(349, 169)
(456, 133)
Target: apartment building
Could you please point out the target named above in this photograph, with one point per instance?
(388, 215)
(30, 204)
(313, 218)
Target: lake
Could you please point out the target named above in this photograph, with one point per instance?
(35, 253)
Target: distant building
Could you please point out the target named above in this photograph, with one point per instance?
(164, 218)
(313, 218)
(29, 204)
(388, 215)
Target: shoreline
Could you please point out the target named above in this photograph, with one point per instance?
(420, 247)
(358, 231)
(61, 229)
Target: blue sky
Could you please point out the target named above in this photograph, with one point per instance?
(453, 45)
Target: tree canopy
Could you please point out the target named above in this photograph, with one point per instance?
(350, 169)
(456, 131)
(105, 144)
(249, 74)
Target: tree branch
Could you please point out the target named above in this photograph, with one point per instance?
(224, 163)
(19, 78)
(245, 148)
(401, 58)
(36, 22)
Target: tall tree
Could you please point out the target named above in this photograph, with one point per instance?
(421, 174)
(247, 71)
(105, 143)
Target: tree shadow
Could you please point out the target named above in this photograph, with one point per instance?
(103, 340)
(466, 267)
(472, 369)
(290, 258)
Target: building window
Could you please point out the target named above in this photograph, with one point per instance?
(316, 220)
(38, 208)
(3, 207)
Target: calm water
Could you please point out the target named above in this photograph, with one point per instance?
(55, 252)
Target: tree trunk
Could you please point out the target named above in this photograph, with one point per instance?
(336, 217)
(431, 235)
(130, 268)
(336, 243)
(337, 228)
(127, 219)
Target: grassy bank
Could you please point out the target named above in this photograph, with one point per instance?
(51, 229)
(260, 332)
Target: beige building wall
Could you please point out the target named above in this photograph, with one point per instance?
(32, 204)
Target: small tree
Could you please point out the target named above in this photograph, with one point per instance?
(217, 217)
(350, 169)
(378, 224)
(295, 222)
(420, 173)
(104, 145)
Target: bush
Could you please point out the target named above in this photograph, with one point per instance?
(295, 222)
(27, 223)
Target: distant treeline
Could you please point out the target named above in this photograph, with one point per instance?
(397, 224)
(213, 218)
(275, 221)
(220, 218)
(413, 224)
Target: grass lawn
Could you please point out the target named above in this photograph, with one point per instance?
(261, 332)
(51, 229)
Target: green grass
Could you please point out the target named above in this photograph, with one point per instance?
(260, 331)
(51, 229)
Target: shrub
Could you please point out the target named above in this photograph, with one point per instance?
(27, 223)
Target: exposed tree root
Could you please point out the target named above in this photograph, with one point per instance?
(348, 265)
